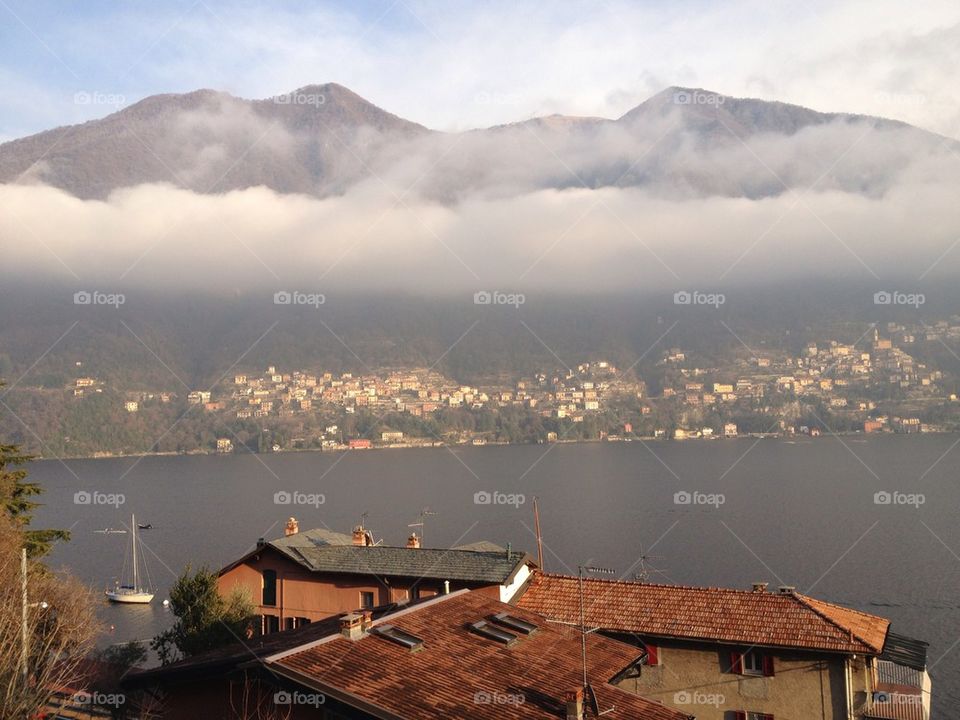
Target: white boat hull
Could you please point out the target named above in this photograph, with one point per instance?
(129, 596)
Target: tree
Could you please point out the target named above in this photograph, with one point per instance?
(61, 628)
(205, 619)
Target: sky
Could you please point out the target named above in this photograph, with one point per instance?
(457, 65)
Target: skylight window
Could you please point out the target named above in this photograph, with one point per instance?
(398, 636)
(514, 623)
(491, 631)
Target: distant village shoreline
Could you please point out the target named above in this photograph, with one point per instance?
(792, 438)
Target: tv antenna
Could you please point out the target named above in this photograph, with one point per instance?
(422, 522)
(588, 691)
(643, 574)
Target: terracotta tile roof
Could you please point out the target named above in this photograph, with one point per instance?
(715, 614)
(455, 666)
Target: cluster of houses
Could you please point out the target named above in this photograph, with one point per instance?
(841, 376)
(350, 627)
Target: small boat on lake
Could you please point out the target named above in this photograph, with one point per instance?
(132, 593)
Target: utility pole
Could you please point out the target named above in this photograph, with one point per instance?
(24, 630)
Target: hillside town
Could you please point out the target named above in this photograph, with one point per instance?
(873, 385)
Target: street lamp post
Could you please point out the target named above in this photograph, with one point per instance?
(25, 628)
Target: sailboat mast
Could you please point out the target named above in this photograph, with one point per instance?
(136, 579)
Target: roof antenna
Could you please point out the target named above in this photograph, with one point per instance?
(643, 575)
(587, 687)
(536, 524)
(421, 523)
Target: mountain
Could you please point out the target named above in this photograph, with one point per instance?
(320, 140)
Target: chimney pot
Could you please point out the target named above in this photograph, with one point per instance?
(760, 587)
(367, 620)
(413, 541)
(351, 626)
(574, 700)
(292, 528)
(787, 589)
(359, 536)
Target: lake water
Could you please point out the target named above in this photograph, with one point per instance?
(801, 514)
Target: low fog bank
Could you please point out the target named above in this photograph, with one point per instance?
(160, 238)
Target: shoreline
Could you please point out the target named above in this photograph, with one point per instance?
(436, 444)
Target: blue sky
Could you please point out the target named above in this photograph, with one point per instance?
(454, 65)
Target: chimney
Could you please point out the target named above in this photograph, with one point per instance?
(413, 541)
(760, 587)
(367, 620)
(574, 700)
(787, 589)
(359, 536)
(293, 527)
(351, 626)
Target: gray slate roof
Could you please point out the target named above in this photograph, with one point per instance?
(435, 564)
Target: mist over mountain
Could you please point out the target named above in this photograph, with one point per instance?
(320, 140)
(321, 190)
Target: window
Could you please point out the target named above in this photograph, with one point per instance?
(517, 625)
(271, 624)
(366, 600)
(414, 593)
(400, 637)
(752, 716)
(752, 662)
(301, 621)
(491, 631)
(288, 623)
(269, 588)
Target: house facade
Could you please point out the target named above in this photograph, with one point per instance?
(725, 654)
(307, 576)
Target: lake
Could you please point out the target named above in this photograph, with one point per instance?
(724, 512)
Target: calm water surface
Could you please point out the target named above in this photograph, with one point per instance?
(800, 514)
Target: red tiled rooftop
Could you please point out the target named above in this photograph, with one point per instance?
(713, 614)
(442, 678)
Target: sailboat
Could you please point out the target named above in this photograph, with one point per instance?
(131, 593)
